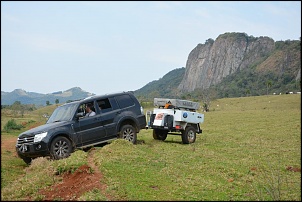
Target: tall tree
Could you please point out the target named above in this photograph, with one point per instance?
(268, 85)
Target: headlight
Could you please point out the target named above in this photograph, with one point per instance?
(39, 137)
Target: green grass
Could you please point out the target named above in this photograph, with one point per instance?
(244, 150)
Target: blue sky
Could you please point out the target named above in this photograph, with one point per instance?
(112, 46)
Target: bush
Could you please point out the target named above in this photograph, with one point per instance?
(12, 125)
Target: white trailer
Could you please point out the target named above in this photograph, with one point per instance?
(181, 118)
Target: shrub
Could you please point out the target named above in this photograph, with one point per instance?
(12, 125)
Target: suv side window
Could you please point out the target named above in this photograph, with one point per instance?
(113, 103)
(81, 108)
(104, 105)
(124, 101)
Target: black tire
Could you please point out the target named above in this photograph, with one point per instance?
(60, 148)
(160, 134)
(188, 136)
(155, 136)
(128, 132)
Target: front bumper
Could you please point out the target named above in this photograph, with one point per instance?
(34, 150)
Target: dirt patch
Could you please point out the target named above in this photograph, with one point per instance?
(8, 144)
(73, 185)
(293, 169)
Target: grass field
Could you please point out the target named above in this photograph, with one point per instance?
(249, 150)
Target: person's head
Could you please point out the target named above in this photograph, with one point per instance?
(88, 107)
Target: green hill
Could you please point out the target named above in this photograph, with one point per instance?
(164, 87)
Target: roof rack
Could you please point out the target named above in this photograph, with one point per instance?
(185, 104)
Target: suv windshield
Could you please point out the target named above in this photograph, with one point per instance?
(63, 113)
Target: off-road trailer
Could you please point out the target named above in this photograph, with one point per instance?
(181, 118)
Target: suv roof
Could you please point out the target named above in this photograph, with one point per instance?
(93, 97)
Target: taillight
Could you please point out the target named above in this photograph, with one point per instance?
(177, 127)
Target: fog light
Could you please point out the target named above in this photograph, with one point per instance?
(38, 147)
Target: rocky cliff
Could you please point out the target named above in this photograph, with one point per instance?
(209, 63)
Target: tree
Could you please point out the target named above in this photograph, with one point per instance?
(210, 41)
(17, 107)
(47, 103)
(154, 94)
(268, 85)
(57, 101)
(207, 95)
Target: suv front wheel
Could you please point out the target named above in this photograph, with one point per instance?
(128, 132)
(60, 148)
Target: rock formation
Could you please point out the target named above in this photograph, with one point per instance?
(209, 63)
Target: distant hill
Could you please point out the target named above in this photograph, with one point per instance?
(164, 87)
(8, 98)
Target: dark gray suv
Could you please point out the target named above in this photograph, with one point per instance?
(117, 115)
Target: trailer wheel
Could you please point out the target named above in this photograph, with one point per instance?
(188, 136)
(160, 134)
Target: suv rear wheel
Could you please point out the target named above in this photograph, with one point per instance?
(128, 132)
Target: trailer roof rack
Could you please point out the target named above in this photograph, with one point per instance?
(182, 104)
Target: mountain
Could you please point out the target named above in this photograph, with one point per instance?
(208, 64)
(8, 98)
(235, 65)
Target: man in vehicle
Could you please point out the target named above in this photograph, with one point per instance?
(88, 110)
